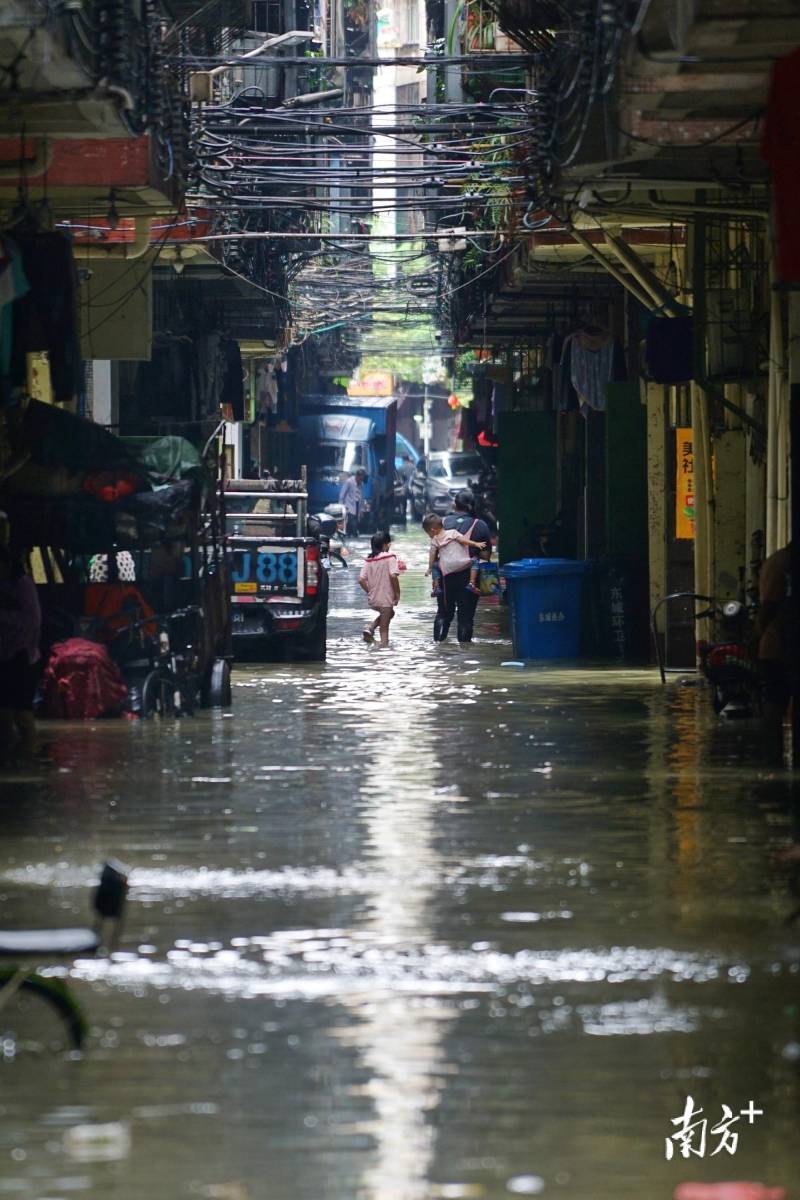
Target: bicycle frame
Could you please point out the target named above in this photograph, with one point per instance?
(34, 946)
(176, 669)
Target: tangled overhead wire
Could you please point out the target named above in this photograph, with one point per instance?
(337, 163)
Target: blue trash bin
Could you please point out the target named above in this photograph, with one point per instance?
(545, 599)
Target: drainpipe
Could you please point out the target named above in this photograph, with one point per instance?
(643, 274)
(635, 289)
(125, 251)
(703, 502)
(793, 516)
(775, 383)
(701, 433)
(789, 401)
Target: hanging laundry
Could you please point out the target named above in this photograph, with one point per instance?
(780, 147)
(596, 359)
(13, 285)
(558, 360)
(232, 388)
(209, 371)
(669, 349)
(266, 389)
(125, 567)
(46, 316)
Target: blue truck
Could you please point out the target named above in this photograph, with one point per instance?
(339, 434)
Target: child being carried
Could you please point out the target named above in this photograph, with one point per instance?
(449, 553)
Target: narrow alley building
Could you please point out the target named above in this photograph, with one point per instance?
(399, 674)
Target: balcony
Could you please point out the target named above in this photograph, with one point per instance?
(103, 117)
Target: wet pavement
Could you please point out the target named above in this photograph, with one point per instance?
(410, 925)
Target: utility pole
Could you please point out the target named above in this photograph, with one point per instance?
(453, 91)
(426, 423)
(431, 371)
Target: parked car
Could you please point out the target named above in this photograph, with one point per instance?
(439, 477)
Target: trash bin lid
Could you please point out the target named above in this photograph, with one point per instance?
(525, 568)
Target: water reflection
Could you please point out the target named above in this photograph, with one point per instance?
(410, 926)
(401, 1040)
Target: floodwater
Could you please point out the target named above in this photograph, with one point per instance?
(406, 926)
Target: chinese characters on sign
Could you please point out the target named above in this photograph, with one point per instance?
(692, 1131)
(618, 620)
(684, 484)
(551, 616)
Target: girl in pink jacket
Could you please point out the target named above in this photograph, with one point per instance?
(380, 579)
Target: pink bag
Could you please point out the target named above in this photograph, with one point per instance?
(455, 556)
(81, 681)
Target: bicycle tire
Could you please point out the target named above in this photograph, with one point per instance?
(158, 695)
(55, 993)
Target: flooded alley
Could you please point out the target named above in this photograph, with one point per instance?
(412, 925)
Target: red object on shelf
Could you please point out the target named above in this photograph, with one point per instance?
(110, 486)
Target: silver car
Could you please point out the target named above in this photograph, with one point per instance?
(439, 477)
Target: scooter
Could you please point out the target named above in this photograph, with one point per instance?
(336, 549)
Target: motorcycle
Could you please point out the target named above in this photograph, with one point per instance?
(728, 663)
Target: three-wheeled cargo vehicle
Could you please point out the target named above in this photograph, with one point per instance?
(126, 543)
(279, 582)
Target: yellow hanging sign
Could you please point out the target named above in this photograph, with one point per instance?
(684, 484)
(372, 383)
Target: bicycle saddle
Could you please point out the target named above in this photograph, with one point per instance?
(108, 902)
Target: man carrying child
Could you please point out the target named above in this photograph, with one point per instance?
(457, 594)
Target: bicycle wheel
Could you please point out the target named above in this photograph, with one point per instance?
(217, 692)
(158, 695)
(189, 694)
(41, 1015)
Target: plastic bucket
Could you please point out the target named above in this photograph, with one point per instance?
(545, 599)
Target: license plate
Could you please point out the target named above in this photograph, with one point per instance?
(263, 570)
